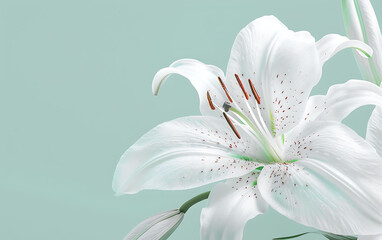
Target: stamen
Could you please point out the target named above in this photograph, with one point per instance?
(225, 89)
(254, 91)
(241, 86)
(210, 101)
(262, 135)
(231, 125)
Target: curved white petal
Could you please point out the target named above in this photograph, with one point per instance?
(283, 66)
(230, 206)
(331, 44)
(361, 24)
(336, 184)
(341, 100)
(203, 77)
(157, 226)
(374, 130)
(185, 153)
(375, 237)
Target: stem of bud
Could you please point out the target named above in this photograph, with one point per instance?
(193, 201)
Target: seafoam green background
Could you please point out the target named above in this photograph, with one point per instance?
(75, 92)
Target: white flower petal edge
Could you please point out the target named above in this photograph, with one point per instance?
(376, 237)
(185, 153)
(157, 226)
(281, 66)
(331, 44)
(334, 187)
(361, 24)
(341, 100)
(203, 77)
(374, 130)
(230, 206)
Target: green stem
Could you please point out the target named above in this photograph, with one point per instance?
(203, 196)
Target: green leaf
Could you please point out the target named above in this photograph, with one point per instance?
(332, 236)
(329, 236)
(294, 236)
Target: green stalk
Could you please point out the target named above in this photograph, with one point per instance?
(203, 196)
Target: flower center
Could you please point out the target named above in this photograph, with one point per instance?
(258, 129)
(254, 123)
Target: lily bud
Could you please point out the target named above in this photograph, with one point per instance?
(157, 227)
(361, 24)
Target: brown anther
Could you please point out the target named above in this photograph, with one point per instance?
(210, 101)
(241, 86)
(231, 125)
(225, 89)
(254, 91)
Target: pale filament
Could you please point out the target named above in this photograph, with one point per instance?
(262, 128)
(257, 126)
(242, 125)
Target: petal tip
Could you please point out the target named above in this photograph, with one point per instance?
(120, 190)
(117, 185)
(156, 83)
(366, 51)
(117, 189)
(160, 77)
(118, 194)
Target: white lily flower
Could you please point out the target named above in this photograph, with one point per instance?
(362, 24)
(157, 227)
(260, 132)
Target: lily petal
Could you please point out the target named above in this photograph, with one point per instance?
(230, 206)
(374, 130)
(283, 66)
(361, 24)
(375, 237)
(341, 100)
(203, 77)
(185, 153)
(331, 44)
(336, 184)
